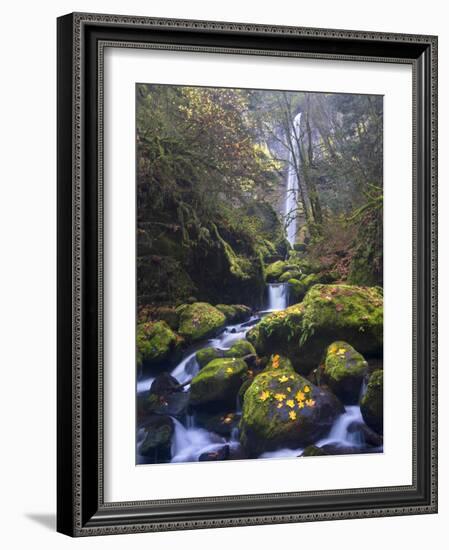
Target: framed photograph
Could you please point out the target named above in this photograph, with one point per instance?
(246, 274)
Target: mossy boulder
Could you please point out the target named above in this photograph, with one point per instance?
(344, 370)
(274, 271)
(283, 409)
(199, 320)
(234, 313)
(313, 450)
(156, 343)
(300, 286)
(241, 348)
(206, 355)
(372, 402)
(290, 274)
(156, 445)
(218, 383)
(328, 313)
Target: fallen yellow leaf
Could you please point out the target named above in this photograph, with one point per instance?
(292, 415)
(290, 403)
(283, 378)
(264, 395)
(300, 396)
(310, 402)
(280, 396)
(306, 389)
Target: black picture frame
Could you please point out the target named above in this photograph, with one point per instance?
(81, 510)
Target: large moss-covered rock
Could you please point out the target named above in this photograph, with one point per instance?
(156, 445)
(313, 450)
(241, 348)
(166, 396)
(200, 320)
(283, 409)
(328, 313)
(290, 274)
(275, 270)
(343, 371)
(156, 343)
(206, 355)
(234, 313)
(218, 383)
(372, 403)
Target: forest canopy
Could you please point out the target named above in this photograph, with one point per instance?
(212, 189)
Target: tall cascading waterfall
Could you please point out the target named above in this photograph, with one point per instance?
(291, 197)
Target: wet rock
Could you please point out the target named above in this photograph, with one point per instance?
(199, 320)
(283, 409)
(206, 355)
(156, 445)
(313, 450)
(166, 396)
(221, 423)
(371, 404)
(157, 344)
(343, 371)
(234, 313)
(241, 348)
(218, 383)
(220, 454)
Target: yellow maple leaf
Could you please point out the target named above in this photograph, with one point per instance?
(292, 376)
(306, 389)
(310, 402)
(289, 388)
(280, 396)
(301, 404)
(283, 378)
(292, 415)
(229, 370)
(264, 395)
(300, 396)
(279, 405)
(290, 403)
(341, 351)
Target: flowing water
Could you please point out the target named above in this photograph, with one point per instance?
(277, 296)
(190, 440)
(291, 196)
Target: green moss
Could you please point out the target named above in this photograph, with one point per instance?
(290, 274)
(303, 331)
(344, 370)
(234, 313)
(240, 349)
(283, 409)
(371, 404)
(200, 320)
(206, 355)
(218, 382)
(274, 271)
(155, 342)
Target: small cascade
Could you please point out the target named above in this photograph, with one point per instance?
(277, 296)
(186, 369)
(291, 196)
(341, 434)
(189, 443)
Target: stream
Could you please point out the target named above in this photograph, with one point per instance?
(190, 441)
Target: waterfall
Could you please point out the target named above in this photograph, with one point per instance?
(277, 296)
(291, 197)
(340, 433)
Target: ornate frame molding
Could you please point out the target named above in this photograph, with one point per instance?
(82, 511)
